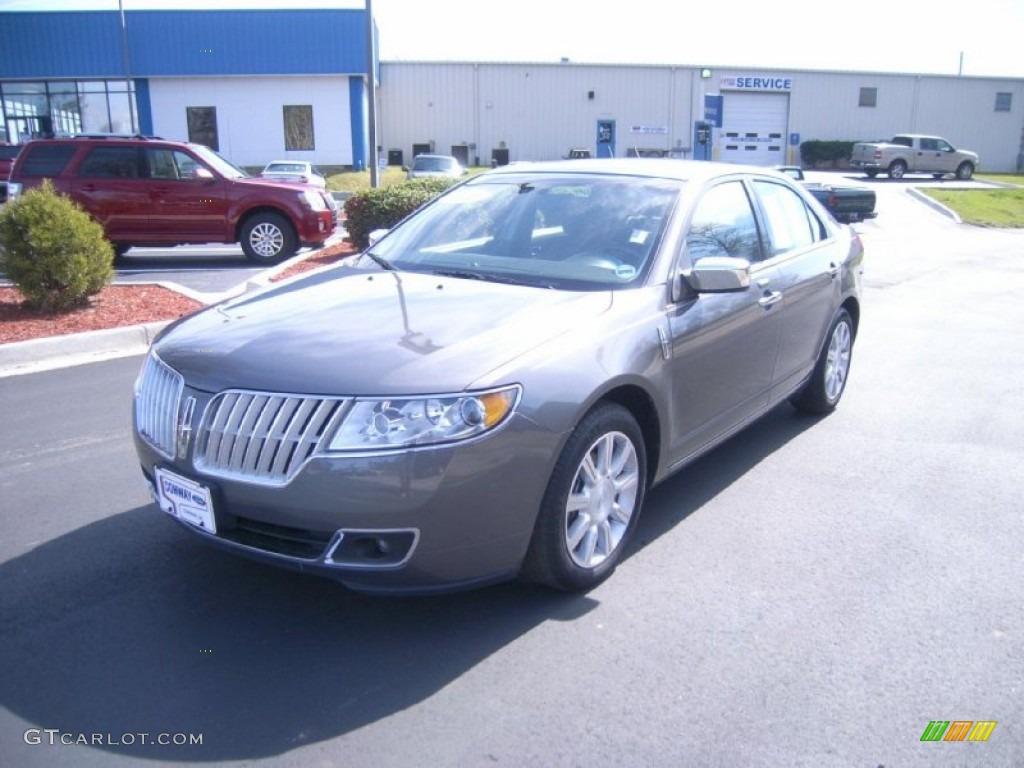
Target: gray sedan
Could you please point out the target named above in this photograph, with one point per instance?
(489, 391)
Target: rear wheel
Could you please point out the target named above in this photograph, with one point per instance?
(592, 502)
(964, 171)
(267, 238)
(896, 169)
(823, 391)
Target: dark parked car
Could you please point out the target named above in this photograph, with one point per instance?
(490, 391)
(148, 192)
(847, 203)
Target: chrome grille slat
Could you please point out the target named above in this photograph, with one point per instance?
(157, 403)
(263, 437)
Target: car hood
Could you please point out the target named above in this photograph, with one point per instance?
(360, 332)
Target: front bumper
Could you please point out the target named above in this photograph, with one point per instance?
(416, 521)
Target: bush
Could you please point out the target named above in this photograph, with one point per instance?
(51, 249)
(384, 207)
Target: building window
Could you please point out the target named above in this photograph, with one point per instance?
(202, 126)
(868, 97)
(1003, 101)
(298, 127)
(66, 107)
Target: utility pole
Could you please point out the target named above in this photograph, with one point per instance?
(371, 82)
(126, 60)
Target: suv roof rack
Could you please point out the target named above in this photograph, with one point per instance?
(115, 136)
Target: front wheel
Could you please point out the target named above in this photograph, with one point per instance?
(822, 392)
(592, 503)
(267, 238)
(964, 171)
(897, 169)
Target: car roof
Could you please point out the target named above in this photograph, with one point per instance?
(682, 170)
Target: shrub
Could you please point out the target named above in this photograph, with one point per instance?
(384, 207)
(51, 249)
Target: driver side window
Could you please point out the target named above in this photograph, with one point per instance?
(723, 224)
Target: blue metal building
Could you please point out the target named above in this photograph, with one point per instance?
(256, 85)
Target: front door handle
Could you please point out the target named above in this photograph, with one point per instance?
(770, 298)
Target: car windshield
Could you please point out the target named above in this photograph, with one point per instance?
(425, 163)
(286, 168)
(222, 166)
(566, 231)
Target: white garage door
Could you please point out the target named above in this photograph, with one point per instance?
(753, 128)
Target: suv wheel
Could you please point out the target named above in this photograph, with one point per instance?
(267, 238)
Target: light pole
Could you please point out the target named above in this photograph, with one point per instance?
(372, 90)
(126, 60)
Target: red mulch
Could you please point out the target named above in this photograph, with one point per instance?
(120, 305)
(328, 255)
(113, 307)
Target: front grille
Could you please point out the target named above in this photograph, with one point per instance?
(261, 437)
(156, 404)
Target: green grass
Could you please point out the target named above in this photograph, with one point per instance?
(984, 207)
(1001, 178)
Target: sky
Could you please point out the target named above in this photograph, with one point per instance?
(981, 38)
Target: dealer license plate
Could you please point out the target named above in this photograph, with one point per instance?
(185, 499)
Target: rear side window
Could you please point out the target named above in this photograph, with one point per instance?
(47, 159)
(111, 163)
(791, 224)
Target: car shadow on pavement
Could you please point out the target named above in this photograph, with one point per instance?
(688, 490)
(167, 635)
(129, 626)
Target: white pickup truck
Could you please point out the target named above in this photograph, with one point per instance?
(913, 153)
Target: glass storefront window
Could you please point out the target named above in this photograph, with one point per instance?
(120, 114)
(64, 107)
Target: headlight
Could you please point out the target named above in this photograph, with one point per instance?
(418, 421)
(314, 200)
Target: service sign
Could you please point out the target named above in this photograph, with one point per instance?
(757, 83)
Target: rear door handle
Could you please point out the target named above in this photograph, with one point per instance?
(834, 270)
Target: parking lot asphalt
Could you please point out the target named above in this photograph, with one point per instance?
(187, 270)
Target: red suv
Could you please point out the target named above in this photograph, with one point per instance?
(151, 192)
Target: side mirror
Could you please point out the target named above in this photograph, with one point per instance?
(719, 274)
(202, 174)
(375, 236)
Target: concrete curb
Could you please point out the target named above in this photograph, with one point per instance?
(920, 196)
(20, 357)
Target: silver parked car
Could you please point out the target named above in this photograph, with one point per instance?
(430, 166)
(492, 388)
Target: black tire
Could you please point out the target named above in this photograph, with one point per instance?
(825, 388)
(267, 238)
(964, 171)
(604, 520)
(896, 169)
(871, 174)
(938, 175)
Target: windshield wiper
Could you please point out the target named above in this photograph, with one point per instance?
(380, 261)
(468, 274)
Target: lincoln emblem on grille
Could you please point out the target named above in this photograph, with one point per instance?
(184, 429)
